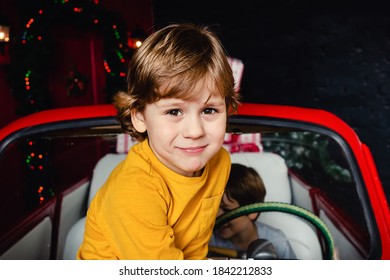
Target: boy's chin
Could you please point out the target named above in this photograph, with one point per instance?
(194, 171)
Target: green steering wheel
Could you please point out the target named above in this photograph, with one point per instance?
(285, 208)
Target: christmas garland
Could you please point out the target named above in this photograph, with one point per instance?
(32, 54)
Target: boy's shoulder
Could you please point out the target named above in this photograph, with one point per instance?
(222, 154)
(221, 158)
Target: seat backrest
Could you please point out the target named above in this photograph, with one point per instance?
(273, 170)
(102, 170)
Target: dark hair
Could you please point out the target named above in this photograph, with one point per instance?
(245, 185)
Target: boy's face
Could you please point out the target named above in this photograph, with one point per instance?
(185, 134)
(239, 227)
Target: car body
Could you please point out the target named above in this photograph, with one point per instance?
(47, 163)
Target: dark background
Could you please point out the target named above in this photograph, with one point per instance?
(67, 41)
(333, 55)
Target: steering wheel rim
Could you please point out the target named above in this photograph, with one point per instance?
(284, 208)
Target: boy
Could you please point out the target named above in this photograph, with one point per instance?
(161, 201)
(245, 187)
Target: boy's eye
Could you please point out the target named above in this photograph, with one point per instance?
(209, 111)
(174, 112)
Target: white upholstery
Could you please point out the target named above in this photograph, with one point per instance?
(101, 172)
(301, 235)
(272, 169)
(73, 240)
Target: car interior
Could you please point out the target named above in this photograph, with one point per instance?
(61, 168)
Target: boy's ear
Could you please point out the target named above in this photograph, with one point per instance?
(138, 120)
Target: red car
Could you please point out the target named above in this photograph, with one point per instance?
(323, 189)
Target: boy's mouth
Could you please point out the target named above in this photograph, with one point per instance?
(193, 150)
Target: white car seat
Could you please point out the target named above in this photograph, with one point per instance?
(101, 172)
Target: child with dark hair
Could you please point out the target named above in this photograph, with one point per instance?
(245, 187)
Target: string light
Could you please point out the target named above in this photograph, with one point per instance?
(36, 161)
(27, 80)
(40, 189)
(138, 43)
(136, 38)
(116, 33)
(28, 25)
(106, 66)
(115, 56)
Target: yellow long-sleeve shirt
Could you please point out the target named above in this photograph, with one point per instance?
(147, 211)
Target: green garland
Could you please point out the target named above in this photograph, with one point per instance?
(32, 55)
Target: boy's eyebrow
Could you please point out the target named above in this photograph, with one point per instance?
(170, 102)
(214, 103)
(173, 102)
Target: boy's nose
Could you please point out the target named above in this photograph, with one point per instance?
(193, 128)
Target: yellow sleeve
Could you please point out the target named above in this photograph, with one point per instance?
(136, 220)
